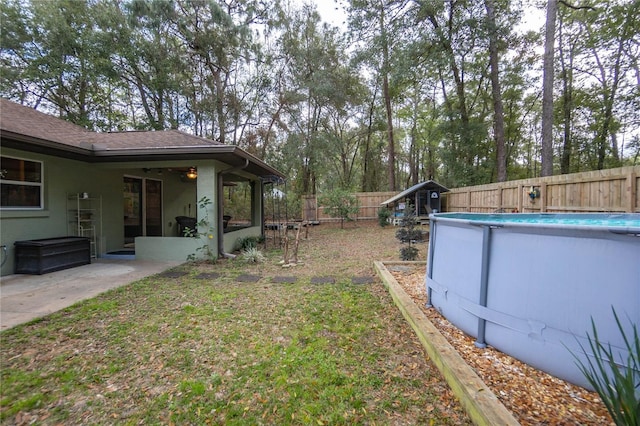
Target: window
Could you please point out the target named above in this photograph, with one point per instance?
(21, 184)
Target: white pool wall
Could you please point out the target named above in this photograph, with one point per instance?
(543, 283)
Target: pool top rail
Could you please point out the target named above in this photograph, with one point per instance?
(628, 223)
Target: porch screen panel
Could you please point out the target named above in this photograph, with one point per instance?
(132, 208)
(153, 205)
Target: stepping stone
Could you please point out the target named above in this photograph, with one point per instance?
(363, 280)
(245, 278)
(173, 274)
(323, 280)
(284, 280)
(208, 276)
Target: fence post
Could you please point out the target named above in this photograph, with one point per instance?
(543, 197)
(631, 192)
(520, 191)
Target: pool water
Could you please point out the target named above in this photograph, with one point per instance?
(610, 221)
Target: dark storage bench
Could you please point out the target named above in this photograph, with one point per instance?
(51, 254)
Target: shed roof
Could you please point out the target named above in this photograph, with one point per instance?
(31, 130)
(430, 185)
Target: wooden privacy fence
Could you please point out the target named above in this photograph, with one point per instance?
(612, 190)
(369, 203)
(600, 191)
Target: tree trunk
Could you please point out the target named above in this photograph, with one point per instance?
(391, 167)
(220, 106)
(274, 118)
(498, 110)
(390, 139)
(366, 155)
(547, 89)
(567, 104)
(414, 164)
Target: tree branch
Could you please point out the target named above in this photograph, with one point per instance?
(570, 6)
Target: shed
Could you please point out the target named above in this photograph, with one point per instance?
(425, 196)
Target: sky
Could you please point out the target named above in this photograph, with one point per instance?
(332, 12)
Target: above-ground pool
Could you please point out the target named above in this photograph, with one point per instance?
(530, 284)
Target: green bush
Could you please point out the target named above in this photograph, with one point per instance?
(253, 255)
(383, 216)
(408, 234)
(246, 243)
(408, 253)
(618, 387)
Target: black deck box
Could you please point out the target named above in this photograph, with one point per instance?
(51, 254)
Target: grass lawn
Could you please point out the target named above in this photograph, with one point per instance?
(192, 351)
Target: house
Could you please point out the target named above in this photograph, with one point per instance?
(424, 196)
(120, 189)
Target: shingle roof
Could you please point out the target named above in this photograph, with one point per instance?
(149, 139)
(22, 127)
(27, 121)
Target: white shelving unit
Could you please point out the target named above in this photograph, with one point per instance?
(84, 217)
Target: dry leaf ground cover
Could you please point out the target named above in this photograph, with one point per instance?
(192, 351)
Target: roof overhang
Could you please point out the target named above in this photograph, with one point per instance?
(97, 153)
(428, 185)
(42, 146)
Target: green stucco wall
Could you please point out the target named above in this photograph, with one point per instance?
(63, 177)
(105, 181)
(167, 248)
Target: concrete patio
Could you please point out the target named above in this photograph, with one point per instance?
(26, 297)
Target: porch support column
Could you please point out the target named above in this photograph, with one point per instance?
(207, 187)
(256, 203)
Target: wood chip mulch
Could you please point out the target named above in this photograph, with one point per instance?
(534, 397)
